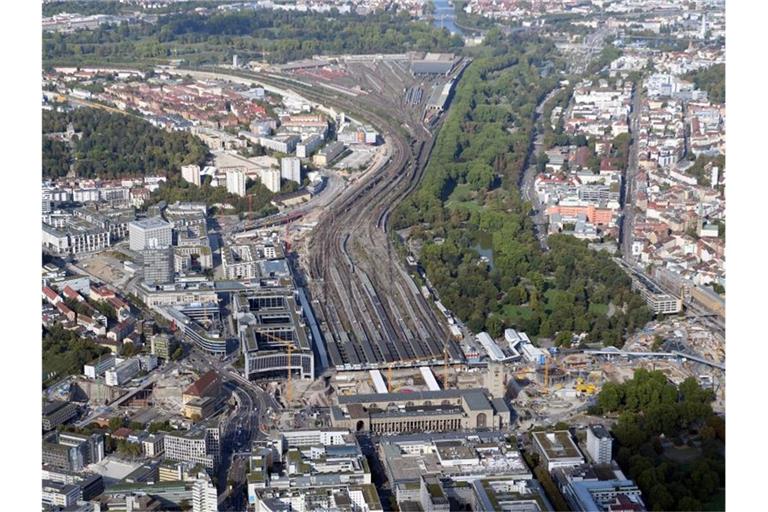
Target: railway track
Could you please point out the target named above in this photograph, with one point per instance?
(371, 313)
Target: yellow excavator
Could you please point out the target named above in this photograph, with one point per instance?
(583, 387)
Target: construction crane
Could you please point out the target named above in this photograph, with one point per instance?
(546, 375)
(289, 345)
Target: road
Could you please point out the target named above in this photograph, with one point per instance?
(239, 427)
(527, 187)
(628, 217)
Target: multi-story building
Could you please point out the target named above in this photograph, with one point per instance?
(199, 445)
(114, 220)
(151, 233)
(153, 445)
(157, 265)
(236, 182)
(599, 444)
(90, 446)
(208, 385)
(56, 494)
(269, 321)
(308, 146)
(290, 169)
(191, 174)
(425, 411)
(557, 449)
(122, 373)
(328, 154)
(178, 293)
(59, 456)
(658, 301)
(193, 248)
(75, 238)
(90, 484)
(57, 412)
(204, 495)
(241, 261)
(270, 178)
(282, 143)
(163, 346)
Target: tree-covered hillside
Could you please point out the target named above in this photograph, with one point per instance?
(110, 145)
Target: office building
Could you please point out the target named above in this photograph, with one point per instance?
(157, 265)
(585, 491)
(236, 182)
(328, 154)
(314, 437)
(57, 412)
(163, 346)
(424, 411)
(191, 174)
(99, 366)
(90, 446)
(75, 238)
(241, 261)
(599, 443)
(450, 457)
(153, 445)
(151, 233)
(557, 449)
(204, 495)
(61, 456)
(282, 143)
(270, 320)
(308, 146)
(290, 169)
(270, 178)
(199, 445)
(56, 494)
(122, 373)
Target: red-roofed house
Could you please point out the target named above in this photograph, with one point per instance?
(72, 294)
(122, 310)
(51, 296)
(121, 330)
(64, 310)
(207, 385)
(102, 293)
(122, 433)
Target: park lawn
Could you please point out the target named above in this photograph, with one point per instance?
(516, 313)
(598, 309)
(462, 197)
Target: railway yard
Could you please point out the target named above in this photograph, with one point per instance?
(370, 311)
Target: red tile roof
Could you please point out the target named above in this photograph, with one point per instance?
(52, 295)
(200, 386)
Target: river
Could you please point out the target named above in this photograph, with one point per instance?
(445, 15)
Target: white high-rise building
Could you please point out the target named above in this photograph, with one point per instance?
(191, 173)
(599, 444)
(290, 169)
(234, 61)
(236, 182)
(271, 179)
(151, 233)
(204, 496)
